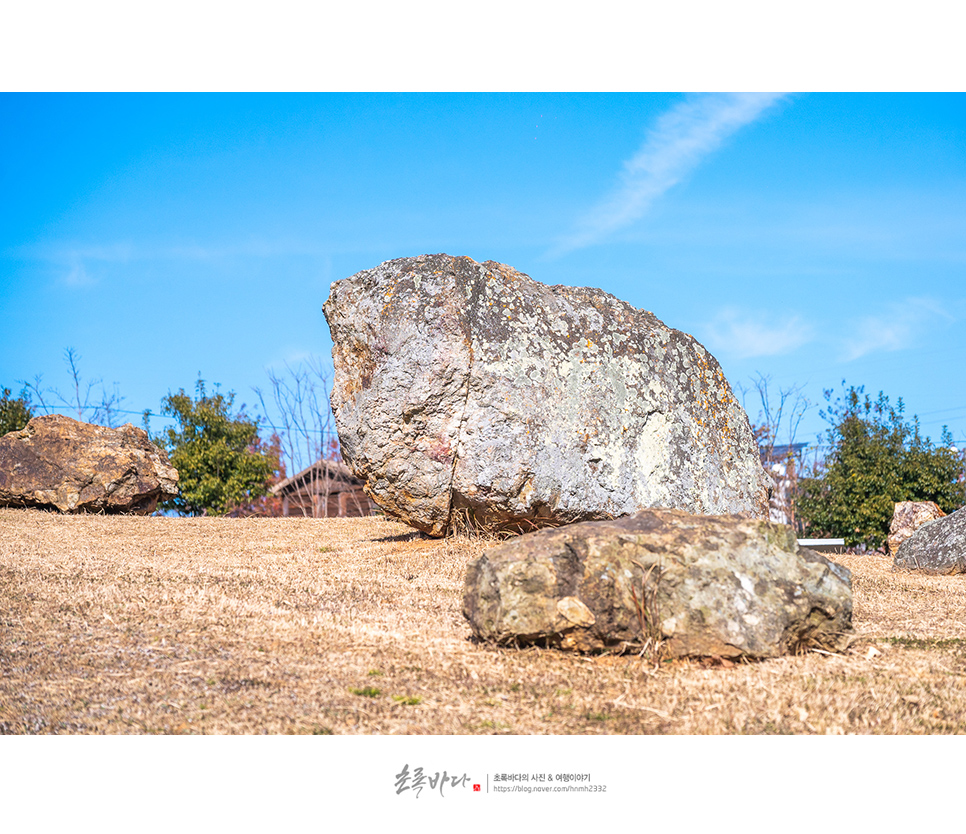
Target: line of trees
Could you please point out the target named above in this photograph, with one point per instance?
(875, 456)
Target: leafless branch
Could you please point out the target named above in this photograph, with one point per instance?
(301, 399)
(780, 420)
(82, 400)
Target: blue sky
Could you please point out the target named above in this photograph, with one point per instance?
(812, 238)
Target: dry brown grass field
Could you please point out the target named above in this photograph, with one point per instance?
(354, 626)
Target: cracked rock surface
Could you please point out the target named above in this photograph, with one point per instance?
(701, 586)
(909, 516)
(57, 463)
(937, 547)
(467, 393)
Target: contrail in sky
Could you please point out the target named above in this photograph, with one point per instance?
(675, 146)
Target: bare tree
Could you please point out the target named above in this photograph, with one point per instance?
(779, 419)
(307, 438)
(82, 400)
(776, 418)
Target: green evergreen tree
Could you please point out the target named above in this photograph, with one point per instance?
(221, 460)
(15, 412)
(876, 459)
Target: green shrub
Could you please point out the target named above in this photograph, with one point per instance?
(15, 412)
(876, 459)
(221, 460)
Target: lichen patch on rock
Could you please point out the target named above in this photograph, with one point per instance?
(468, 393)
(700, 586)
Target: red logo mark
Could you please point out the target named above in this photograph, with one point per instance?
(476, 787)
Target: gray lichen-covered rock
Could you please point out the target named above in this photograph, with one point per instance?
(701, 585)
(936, 547)
(909, 516)
(468, 392)
(57, 463)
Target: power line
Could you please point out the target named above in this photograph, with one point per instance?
(330, 432)
(152, 414)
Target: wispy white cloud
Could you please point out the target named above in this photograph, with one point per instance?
(82, 265)
(895, 329)
(675, 146)
(76, 275)
(743, 334)
(77, 266)
(110, 252)
(128, 252)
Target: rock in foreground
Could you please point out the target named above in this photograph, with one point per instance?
(61, 464)
(468, 393)
(909, 516)
(705, 586)
(937, 547)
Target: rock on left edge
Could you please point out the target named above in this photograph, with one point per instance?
(57, 463)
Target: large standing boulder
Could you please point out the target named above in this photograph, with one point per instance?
(937, 547)
(62, 464)
(470, 393)
(696, 585)
(909, 516)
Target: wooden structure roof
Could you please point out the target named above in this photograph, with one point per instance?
(326, 489)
